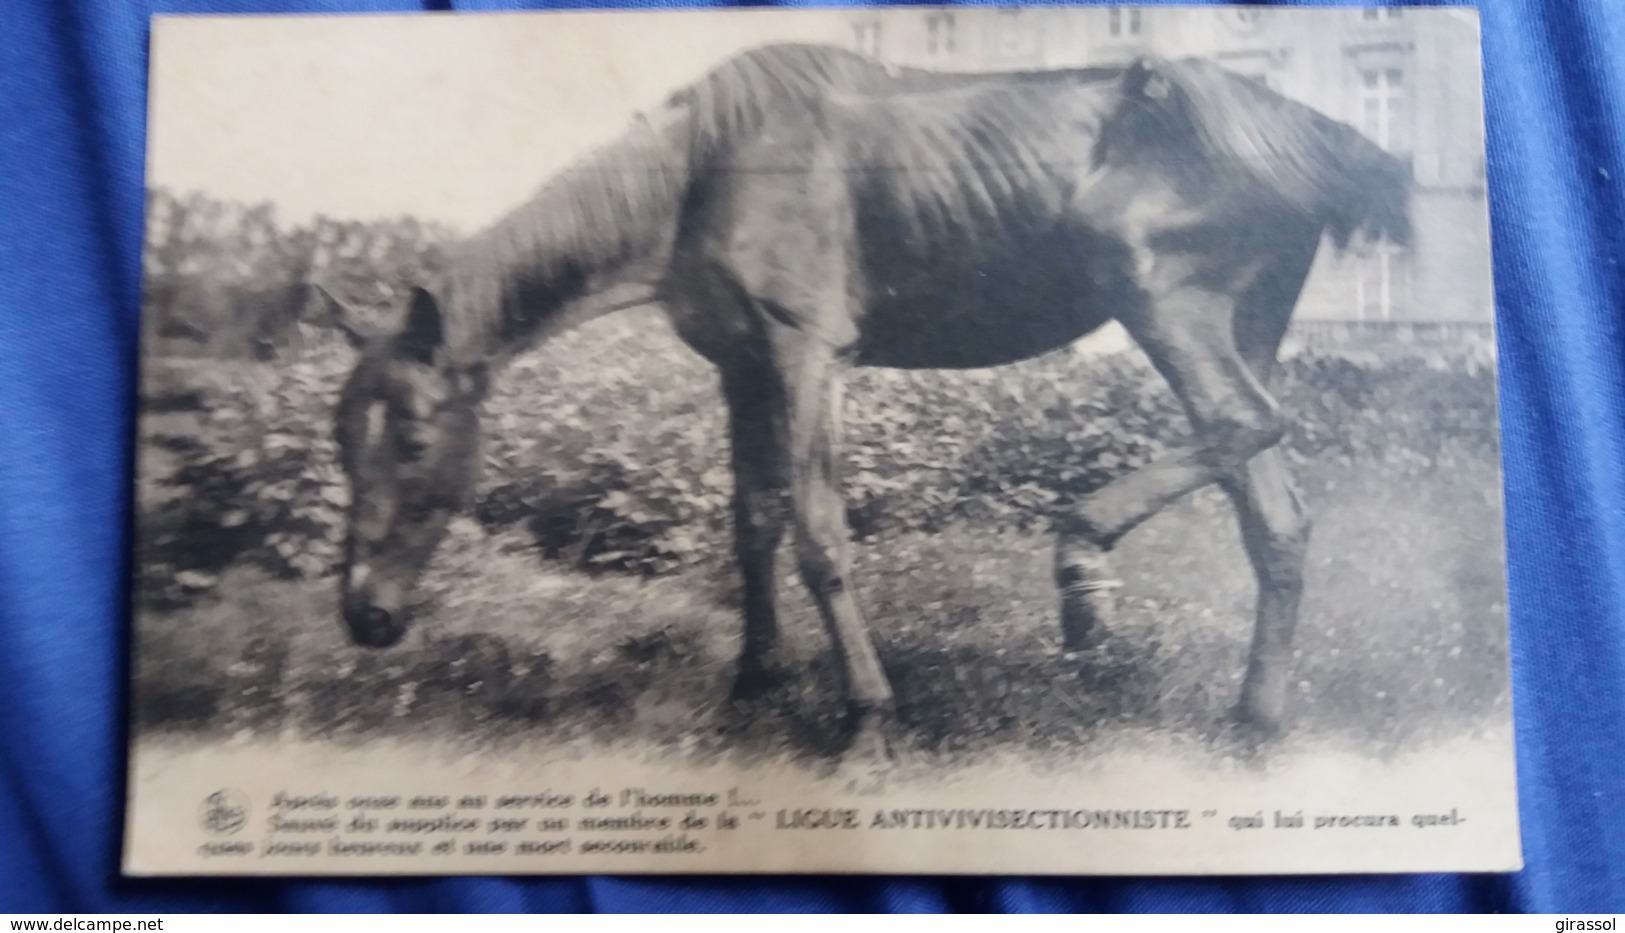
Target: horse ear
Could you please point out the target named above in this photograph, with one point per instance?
(424, 334)
(1144, 78)
(323, 308)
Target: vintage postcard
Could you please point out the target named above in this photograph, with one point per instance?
(929, 440)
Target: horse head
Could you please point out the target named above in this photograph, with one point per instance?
(408, 431)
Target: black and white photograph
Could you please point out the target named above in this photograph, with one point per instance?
(1051, 440)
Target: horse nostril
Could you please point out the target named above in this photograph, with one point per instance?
(378, 619)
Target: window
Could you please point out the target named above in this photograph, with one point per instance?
(1123, 22)
(1015, 38)
(866, 36)
(1382, 107)
(1380, 283)
(939, 34)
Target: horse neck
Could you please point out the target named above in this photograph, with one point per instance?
(576, 249)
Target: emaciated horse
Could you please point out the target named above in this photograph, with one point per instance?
(801, 210)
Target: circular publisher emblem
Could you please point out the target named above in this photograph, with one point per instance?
(224, 812)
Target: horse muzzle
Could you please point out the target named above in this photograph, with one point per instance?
(371, 607)
(374, 627)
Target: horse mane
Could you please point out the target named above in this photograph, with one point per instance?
(1209, 126)
(602, 211)
(621, 201)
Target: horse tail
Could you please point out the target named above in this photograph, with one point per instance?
(1215, 127)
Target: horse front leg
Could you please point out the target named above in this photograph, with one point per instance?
(812, 379)
(761, 490)
(1187, 334)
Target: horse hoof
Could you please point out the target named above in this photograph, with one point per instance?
(1088, 598)
(1086, 617)
(1255, 723)
(1083, 626)
(870, 758)
(863, 778)
(754, 682)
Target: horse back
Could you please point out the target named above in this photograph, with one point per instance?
(926, 229)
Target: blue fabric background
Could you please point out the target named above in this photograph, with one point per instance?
(72, 118)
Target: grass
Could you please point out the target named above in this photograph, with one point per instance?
(1401, 643)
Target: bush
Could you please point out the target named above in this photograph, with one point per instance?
(610, 448)
(255, 476)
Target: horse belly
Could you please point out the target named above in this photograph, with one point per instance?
(979, 313)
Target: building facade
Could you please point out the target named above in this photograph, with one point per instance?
(1408, 78)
